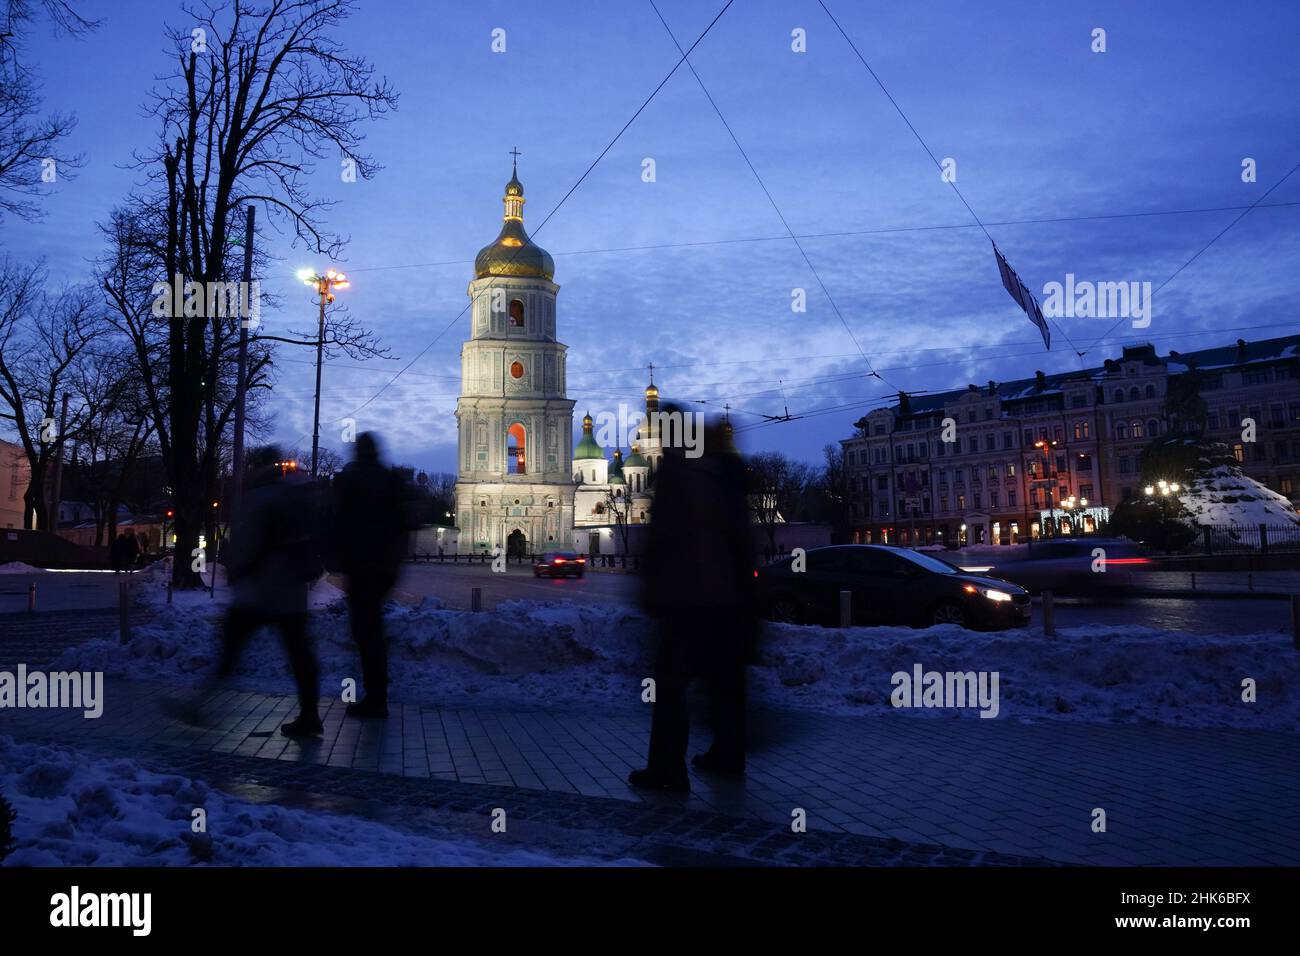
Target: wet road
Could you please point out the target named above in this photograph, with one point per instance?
(453, 584)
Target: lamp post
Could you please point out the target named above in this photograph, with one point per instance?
(324, 286)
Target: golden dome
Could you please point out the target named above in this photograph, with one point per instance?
(652, 391)
(513, 253)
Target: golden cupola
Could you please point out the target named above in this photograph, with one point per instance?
(513, 253)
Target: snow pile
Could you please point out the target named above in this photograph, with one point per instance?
(149, 587)
(1226, 497)
(75, 810)
(17, 567)
(520, 652)
(1122, 674)
(531, 654)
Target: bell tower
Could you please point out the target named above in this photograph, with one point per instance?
(514, 487)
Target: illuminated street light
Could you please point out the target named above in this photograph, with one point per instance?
(325, 285)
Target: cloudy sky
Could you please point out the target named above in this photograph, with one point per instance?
(691, 271)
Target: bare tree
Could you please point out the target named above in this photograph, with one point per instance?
(44, 340)
(618, 505)
(31, 145)
(776, 486)
(260, 91)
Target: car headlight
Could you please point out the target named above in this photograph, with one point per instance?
(995, 595)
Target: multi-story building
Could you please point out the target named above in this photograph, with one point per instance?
(994, 464)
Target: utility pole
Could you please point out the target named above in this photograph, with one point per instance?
(58, 466)
(320, 357)
(324, 286)
(237, 458)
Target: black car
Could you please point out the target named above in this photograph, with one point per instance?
(890, 586)
(1079, 566)
(559, 564)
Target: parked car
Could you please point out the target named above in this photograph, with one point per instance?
(889, 585)
(1072, 566)
(559, 564)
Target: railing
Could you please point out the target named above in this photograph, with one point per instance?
(630, 562)
(1246, 539)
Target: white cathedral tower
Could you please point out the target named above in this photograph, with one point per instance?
(514, 486)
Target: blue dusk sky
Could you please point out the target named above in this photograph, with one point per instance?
(691, 272)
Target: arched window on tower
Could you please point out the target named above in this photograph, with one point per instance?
(516, 444)
(517, 313)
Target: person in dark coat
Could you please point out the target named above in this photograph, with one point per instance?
(370, 541)
(272, 555)
(115, 552)
(130, 552)
(698, 584)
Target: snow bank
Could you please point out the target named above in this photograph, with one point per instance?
(17, 567)
(1226, 497)
(75, 810)
(521, 652)
(149, 588)
(1121, 674)
(541, 654)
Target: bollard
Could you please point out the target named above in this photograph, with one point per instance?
(124, 612)
(1049, 615)
(1193, 580)
(1295, 621)
(31, 596)
(846, 608)
(1250, 581)
(169, 586)
(476, 599)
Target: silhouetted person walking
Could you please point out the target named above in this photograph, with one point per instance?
(130, 552)
(370, 526)
(698, 584)
(272, 555)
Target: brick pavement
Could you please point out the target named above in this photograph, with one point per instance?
(985, 790)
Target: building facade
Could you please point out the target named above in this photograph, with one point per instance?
(1004, 462)
(15, 476)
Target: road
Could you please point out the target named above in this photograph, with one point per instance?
(453, 584)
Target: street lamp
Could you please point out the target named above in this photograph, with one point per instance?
(324, 286)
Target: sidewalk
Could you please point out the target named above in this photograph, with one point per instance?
(989, 791)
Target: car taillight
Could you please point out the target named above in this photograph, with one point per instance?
(1128, 560)
(559, 560)
(582, 560)
(755, 574)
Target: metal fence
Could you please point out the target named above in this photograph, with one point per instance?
(1246, 539)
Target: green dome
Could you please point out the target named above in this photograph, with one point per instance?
(587, 448)
(636, 459)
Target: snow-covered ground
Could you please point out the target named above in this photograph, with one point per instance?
(1227, 497)
(542, 654)
(17, 567)
(77, 810)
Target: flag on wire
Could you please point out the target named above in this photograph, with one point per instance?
(1024, 298)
